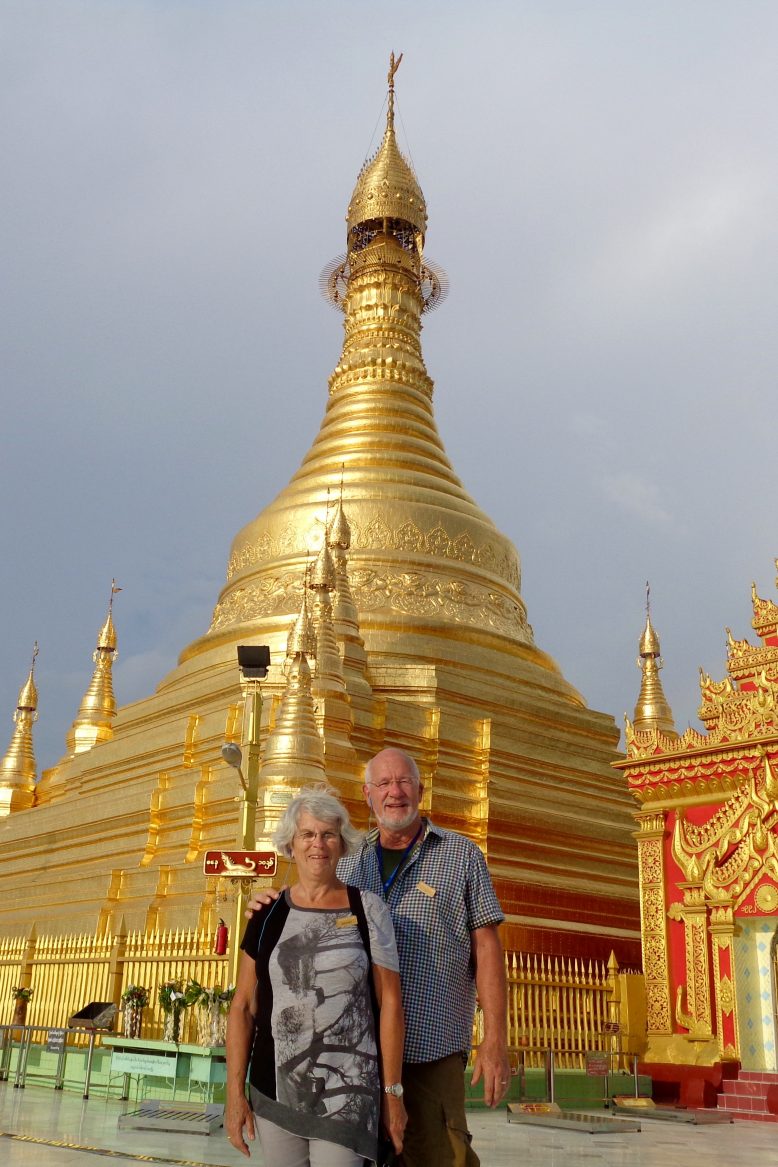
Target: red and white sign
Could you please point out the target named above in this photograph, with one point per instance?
(240, 864)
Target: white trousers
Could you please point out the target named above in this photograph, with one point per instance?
(282, 1149)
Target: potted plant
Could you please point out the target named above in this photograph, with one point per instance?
(134, 1000)
(212, 1006)
(21, 995)
(172, 1002)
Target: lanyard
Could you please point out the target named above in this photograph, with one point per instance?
(387, 883)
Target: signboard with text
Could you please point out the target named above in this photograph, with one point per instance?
(597, 1064)
(240, 864)
(139, 1062)
(55, 1040)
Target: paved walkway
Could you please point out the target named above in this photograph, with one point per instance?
(43, 1128)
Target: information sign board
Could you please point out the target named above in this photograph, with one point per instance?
(240, 864)
(138, 1062)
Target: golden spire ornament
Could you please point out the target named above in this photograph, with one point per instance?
(94, 720)
(652, 711)
(17, 768)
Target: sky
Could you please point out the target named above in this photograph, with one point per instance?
(601, 184)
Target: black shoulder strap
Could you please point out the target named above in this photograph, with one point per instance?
(358, 908)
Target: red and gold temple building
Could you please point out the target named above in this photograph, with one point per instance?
(708, 857)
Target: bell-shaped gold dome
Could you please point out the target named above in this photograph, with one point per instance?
(424, 559)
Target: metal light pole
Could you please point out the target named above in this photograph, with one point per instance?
(253, 661)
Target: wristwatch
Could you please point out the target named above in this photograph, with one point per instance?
(396, 1089)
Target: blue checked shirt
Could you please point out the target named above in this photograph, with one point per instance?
(433, 934)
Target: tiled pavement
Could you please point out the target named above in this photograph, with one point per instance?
(43, 1128)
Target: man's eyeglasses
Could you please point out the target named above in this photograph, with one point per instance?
(385, 783)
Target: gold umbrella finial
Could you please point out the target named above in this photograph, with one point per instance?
(394, 65)
(114, 589)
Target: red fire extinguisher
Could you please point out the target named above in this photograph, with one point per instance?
(220, 940)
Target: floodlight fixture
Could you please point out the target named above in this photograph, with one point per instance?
(253, 661)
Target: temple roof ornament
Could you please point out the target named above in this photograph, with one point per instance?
(736, 711)
(17, 768)
(652, 711)
(95, 717)
(765, 620)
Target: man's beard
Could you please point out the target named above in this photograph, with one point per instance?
(402, 817)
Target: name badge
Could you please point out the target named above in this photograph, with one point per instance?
(345, 921)
(425, 889)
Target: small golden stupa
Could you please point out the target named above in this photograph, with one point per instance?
(410, 630)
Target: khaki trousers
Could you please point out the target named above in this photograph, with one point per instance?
(434, 1097)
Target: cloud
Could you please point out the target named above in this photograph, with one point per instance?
(636, 497)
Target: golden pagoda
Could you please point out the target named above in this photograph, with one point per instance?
(421, 641)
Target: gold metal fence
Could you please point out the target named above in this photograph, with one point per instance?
(151, 960)
(563, 1005)
(553, 1003)
(11, 956)
(66, 973)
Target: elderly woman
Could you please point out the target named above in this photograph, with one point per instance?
(317, 965)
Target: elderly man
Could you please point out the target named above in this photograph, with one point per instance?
(445, 916)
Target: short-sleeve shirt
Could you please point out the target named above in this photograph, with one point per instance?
(441, 895)
(314, 1066)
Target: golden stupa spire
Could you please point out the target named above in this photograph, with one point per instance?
(429, 572)
(94, 720)
(344, 611)
(293, 755)
(17, 768)
(329, 669)
(334, 714)
(302, 634)
(652, 711)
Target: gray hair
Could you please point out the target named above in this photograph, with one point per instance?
(322, 805)
(411, 763)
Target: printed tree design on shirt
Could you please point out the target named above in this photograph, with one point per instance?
(325, 1046)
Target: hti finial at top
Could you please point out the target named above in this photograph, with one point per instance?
(114, 589)
(394, 65)
(649, 641)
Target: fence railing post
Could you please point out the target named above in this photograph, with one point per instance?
(28, 956)
(116, 964)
